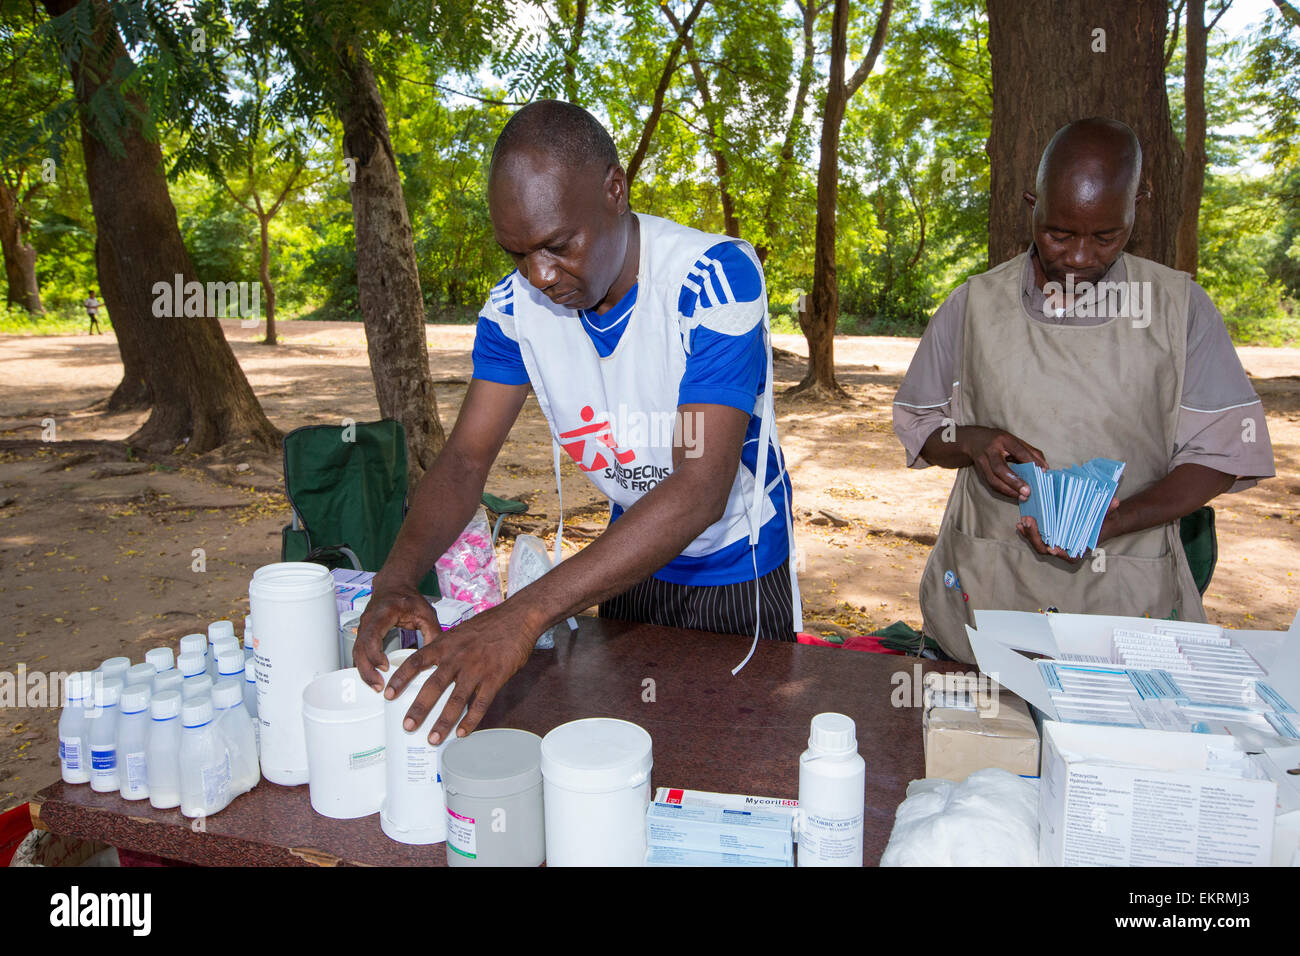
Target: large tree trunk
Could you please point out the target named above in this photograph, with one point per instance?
(198, 389)
(388, 281)
(19, 255)
(133, 392)
(818, 324)
(1049, 69)
(1193, 139)
(264, 276)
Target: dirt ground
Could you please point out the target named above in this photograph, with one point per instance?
(97, 547)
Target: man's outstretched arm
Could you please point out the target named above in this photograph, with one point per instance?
(480, 655)
(443, 503)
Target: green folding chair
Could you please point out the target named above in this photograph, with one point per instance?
(347, 488)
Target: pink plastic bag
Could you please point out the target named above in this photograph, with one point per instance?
(468, 571)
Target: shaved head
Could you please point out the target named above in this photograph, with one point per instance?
(565, 133)
(1084, 199)
(1091, 157)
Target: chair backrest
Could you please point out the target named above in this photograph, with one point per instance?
(347, 487)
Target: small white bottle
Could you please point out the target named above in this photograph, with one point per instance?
(225, 645)
(163, 754)
(205, 762)
(832, 794)
(194, 644)
(141, 674)
(230, 666)
(115, 668)
(191, 665)
(200, 686)
(74, 749)
(102, 735)
(248, 635)
(133, 742)
(168, 680)
(216, 631)
(237, 730)
(161, 658)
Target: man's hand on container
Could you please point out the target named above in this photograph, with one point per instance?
(478, 656)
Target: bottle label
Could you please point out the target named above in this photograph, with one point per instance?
(421, 764)
(70, 752)
(137, 776)
(365, 758)
(216, 784)
(460, 834)
(829, 839)
(103, 760)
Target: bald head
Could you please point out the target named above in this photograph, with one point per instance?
(1084, 199)
(565, 134)
(1091, 157)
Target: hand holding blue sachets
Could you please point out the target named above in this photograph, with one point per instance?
(1069, 504)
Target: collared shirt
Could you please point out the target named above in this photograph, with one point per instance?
(1218, 403)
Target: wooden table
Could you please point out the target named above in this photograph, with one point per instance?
(711, 731)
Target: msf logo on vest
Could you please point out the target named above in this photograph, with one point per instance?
(590, 444)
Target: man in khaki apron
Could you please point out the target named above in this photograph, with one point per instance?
(1074, 350)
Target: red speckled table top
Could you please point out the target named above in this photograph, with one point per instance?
(711, 731)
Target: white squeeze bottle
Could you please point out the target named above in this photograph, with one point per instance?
(832, 794)
(132, 742)
(236, 728)
(163, 754)
(103, 737)
(194, 644)
(74, 750)
(205, 762)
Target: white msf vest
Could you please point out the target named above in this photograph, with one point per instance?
(615, 416)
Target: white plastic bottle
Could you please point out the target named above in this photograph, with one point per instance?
(161, 658)
(74, 749)
(248, 635)
(194, 644)
(191, 665)
(168, 680)
(205, 762)
(163, 754)
(195, 687)
(832, 794)
(132, 743)
(250, 699)
(141, 674)
(230, 666)
(115, 668)
(102, 735)
(236, 729)
(216, 631)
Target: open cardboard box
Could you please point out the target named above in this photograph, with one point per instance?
(1006, 643)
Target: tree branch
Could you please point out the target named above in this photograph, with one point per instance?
(869, 61)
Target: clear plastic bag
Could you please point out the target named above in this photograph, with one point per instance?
(529, 561)
(468, 571)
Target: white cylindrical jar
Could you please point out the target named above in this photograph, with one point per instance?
(296, 642)
(596, 784)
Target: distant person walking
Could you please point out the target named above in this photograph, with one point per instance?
(92, 310)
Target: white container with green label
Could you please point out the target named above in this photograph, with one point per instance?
(492, 781)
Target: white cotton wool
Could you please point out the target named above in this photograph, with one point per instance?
(991, 819)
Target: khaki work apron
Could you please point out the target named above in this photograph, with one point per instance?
(1075, 392)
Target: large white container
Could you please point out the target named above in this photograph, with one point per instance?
(414, 810)
(296, 642)
(596, 788)
(344, 721)
(832, 794)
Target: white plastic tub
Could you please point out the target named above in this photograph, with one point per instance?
(596, 788)
(296, 642)
(344, 723)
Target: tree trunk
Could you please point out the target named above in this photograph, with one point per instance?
(1051, 65)
(19, 255)
(1193, 139)
(388, 281)
(818, 324)
(264, 274)
(133, 392)
(198, 389)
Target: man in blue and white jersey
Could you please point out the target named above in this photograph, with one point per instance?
(647, 346)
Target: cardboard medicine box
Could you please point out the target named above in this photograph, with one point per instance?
(965, 729)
